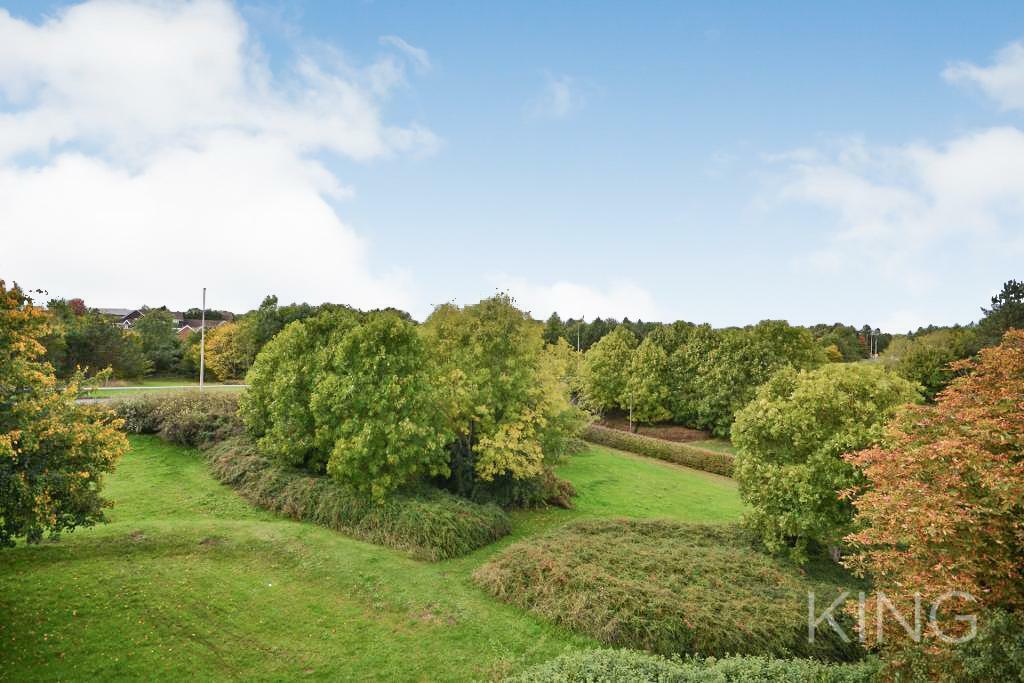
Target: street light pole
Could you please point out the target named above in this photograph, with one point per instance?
(202, 343)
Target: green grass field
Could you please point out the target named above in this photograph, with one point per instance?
(158, 385)
(188, 580)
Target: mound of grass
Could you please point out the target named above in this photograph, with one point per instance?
(427, 523)
(670, 588)
(599, 666)
(716, 461)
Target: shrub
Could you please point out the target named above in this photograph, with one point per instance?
(425, 522)
(679, 453)
(790, 441)
(630, 666)
(926, 358)
(189, 418)
(669, 588)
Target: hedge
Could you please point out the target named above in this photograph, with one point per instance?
(427, 523)
(608, 666)
(679, 453)
(187, 418)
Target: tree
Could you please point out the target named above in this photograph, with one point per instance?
(730, 374)
(941, 507)
(93, 344)
(1007, 313)
(376, 408)
(647, 392)
(791, 440)
(554, 329)
(507, 407)
(605, 367)
(926, 358)
(230, 350)
(53, 451)
(684, 367)
(276, 407)
(159, 341)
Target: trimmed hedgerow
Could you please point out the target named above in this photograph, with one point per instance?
(425, 522)
(671, 588)
(679, 453)
(188, 418)
(608, 666)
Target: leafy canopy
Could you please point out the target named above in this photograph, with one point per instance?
(53, 452)
(791, 439)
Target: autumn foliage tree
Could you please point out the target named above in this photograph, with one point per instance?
(942, 508)
(53, 451)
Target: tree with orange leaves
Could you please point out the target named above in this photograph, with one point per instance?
(943, 507)
(53, 451)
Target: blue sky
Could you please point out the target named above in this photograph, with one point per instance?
(723, 163)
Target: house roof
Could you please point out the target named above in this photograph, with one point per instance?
(119, 312)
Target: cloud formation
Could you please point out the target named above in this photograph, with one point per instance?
(147, 149)
(620, 299)
(1003, 81)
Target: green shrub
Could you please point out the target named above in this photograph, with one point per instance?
(138, 413)
(671, 588)
(630, 666)
(425, 522)
(189, 418)
(679, 453)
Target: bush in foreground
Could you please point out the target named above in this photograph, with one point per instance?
(428, 523)
(669, 588)
(630, 666)
(679, 453)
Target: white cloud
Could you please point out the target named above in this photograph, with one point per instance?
(417, 55)
(560, 98)
(147, 148)
(619, 299)
(1003, 81)
(895, 208)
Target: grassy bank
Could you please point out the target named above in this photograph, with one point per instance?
(189, 580)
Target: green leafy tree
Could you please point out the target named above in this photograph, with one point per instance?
(276, 406)
(376, 408)
(503, 397)
(158, 339)
(554, 329)
(605, 367)
(926, 358)
(791, 439)
(684, 367)
(1006, 313)
(93, 344)
(730, 374)
(646, 394)
(53, 451)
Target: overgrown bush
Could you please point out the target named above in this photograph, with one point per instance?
(425, 522)
(671, 588)
(630, 666)
(679, 453)
(189, 418)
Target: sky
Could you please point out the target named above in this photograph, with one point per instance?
(712, 162)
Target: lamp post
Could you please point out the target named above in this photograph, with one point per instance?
(202, 343)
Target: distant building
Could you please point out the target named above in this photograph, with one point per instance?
(126, 318)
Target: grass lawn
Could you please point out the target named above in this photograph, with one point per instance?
(188, 580)
(720, 445)
(159, 387)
